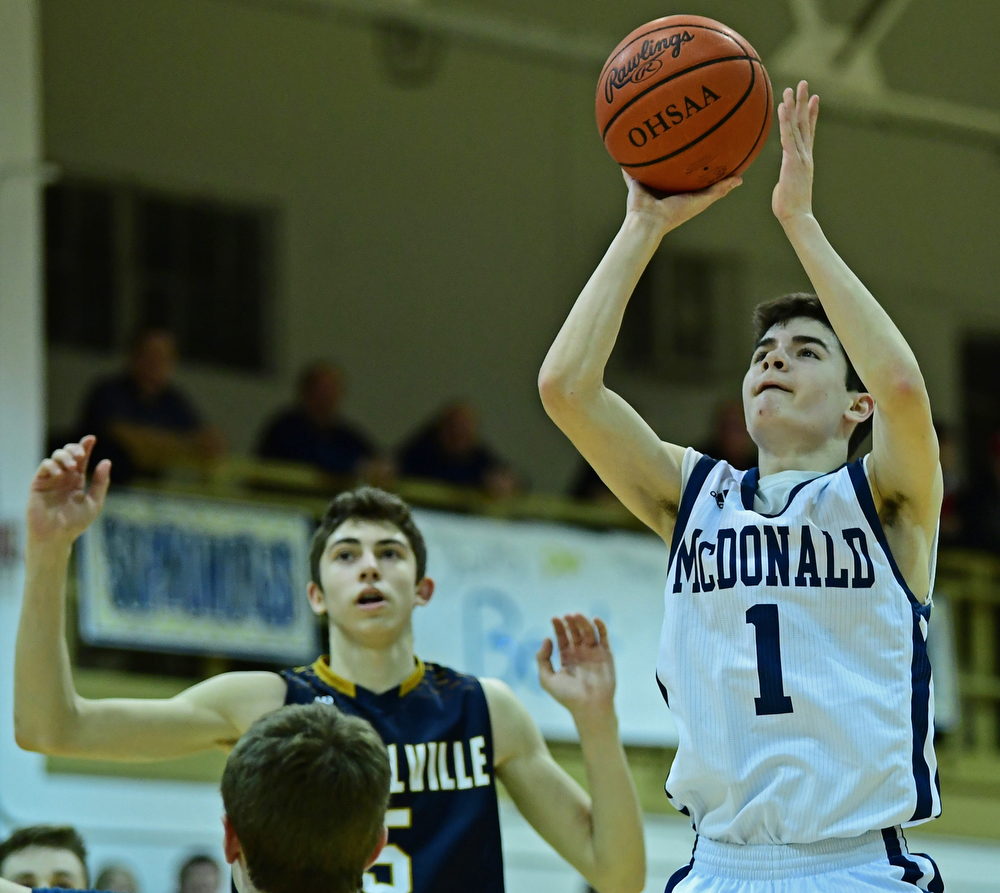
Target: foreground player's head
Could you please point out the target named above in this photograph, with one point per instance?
(45, 856)
(368, 563)
(801, 393)
(305, 791)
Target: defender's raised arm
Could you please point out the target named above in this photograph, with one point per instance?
(903, 467)
(601, 835)
(641, 470)
(49, 715)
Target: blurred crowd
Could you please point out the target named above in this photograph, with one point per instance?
(145, 422)
(56, 856)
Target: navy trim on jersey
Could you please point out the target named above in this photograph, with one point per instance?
(682, 873)
(863, 491)
(912, 872)
(751, 481)
(920, 675)
(678, 876)
(697, 480)
(920, 667)
(663, 690)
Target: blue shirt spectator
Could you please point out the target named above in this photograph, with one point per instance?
(313, 431)
(450, 450)
(143, 422)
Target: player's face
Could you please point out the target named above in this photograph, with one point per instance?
(370, 586)
(794, 394)
(42, 866)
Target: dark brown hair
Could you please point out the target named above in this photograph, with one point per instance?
(778, 311)
(367, 504)
(54, 837)
(305, 790)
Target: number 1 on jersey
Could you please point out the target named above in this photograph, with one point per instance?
(772, 698)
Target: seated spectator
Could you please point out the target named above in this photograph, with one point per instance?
(280, 833)
(45, 856)
(950, 532)
(116, 878)
(143, 421)
(450, 450)
(979, 505)
(587, 485)
(729, 439)
(199, 874)
(314, 432)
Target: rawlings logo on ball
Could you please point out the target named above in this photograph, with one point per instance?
(645, 62)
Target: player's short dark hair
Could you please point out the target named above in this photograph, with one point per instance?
(778, 311)
(367, 504)
(54, 837)
(305, 790)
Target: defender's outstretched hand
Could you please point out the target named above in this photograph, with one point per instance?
(797, 114)
(670, 212)
(585, 683)
(60, 505)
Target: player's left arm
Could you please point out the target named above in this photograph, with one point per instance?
(903, 466)
(601, 836)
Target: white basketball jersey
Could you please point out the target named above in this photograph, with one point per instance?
(794, 664)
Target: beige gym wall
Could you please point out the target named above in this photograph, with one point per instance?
(433, 238)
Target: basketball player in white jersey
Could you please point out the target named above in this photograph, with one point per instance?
(792, 654)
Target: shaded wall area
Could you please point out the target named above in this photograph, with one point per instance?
(432, 238)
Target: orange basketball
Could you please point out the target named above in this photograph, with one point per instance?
(683, 102)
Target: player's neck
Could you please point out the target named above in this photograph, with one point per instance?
(821, 460)
(377, 667)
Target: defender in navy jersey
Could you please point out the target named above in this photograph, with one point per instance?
(798, 593)
(444, 827)
(449, 736)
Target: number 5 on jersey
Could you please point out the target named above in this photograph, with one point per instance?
(392, 860)
(772, 698)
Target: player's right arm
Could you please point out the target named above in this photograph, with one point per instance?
(49, 715)
(643, 471)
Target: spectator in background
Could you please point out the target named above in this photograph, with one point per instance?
(950, 532)
(45, 856)
(314, 432)
(587, 485)
(305, 792)
(729, 439)
(979, 505)
(116, 878)
(449, 449)
(143, 421)
(199, 874)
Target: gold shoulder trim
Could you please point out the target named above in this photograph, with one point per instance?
(322, 669)
(413, 680)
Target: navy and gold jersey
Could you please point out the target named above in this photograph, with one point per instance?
(444, 828)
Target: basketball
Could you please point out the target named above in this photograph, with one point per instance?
(683, 102)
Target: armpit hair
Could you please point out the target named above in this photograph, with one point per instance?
(891, 509)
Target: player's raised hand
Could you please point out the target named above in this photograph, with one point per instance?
(669, 212)
(60, 504)
(585, 682)
(797, 116)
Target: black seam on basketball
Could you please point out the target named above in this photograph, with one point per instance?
(666, 80)
(710, 130)
(768, 111)
(627, 41)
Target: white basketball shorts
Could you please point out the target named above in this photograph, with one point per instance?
(876, 861)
